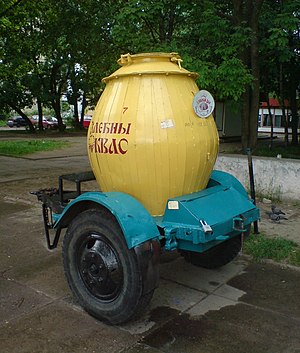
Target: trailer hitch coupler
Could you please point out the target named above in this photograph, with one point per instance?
(238, 224)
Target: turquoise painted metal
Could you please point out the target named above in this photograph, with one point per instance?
(194, 222)
(201, 220)
(135, 221)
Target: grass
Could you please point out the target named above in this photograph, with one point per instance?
(21, 148)
(278, 249)
(272, 193)
(285, 152)
(292, 152)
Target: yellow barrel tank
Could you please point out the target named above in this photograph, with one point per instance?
(146, 137)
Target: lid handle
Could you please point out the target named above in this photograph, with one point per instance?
(176, 60)
(125, 59)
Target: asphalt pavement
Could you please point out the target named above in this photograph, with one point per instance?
(240, 308)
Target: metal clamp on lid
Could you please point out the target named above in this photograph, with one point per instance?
(206, 227)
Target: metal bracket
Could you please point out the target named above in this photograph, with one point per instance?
(170, 235)
(238, 224)
(48, 224)
(206, 227)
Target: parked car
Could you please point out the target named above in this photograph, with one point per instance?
(51, 123)
(16, 121)
(48, 123)
(86, 121)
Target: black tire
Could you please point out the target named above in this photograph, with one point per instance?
(217, 256)
(101, 271)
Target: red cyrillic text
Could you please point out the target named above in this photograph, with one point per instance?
(110, 128)
(108, 145)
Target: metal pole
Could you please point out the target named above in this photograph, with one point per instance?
(252, 185)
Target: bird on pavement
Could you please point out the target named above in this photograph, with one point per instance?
(275, 217)
(276, 210)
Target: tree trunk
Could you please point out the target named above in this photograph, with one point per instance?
(40, 110)
(286, 125)
(76, 119)
(55, 90)
(245, 118)
(272, 125)
(285, 122)
(56, 107)
(24, 116)
(246, 13)
(295, 117)
(83, 106)
(254, 98)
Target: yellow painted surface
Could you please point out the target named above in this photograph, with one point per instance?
(144, 138)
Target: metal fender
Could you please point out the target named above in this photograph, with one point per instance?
(225, 179)
(135, 221)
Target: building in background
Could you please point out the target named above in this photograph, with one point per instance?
(228, 119)
(275, 112)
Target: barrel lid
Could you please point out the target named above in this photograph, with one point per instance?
(149, 64)
(126, 59)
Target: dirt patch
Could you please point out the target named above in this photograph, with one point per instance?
(286, 228)
(7, 208)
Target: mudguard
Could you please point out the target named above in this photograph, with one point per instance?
(148, 257)
(222, 178)
(135, 221)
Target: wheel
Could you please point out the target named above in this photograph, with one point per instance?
(217, 256)
(102, 272)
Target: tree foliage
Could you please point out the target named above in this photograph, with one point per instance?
(237, 46)
(280, 54)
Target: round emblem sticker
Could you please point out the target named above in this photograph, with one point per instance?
(203, 104)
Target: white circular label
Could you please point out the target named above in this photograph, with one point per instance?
(203, 104)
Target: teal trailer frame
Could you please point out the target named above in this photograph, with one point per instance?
(194, 222)
(135, 221)
(201, 220)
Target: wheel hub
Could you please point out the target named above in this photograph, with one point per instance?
(94, 265)
(100, 267)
